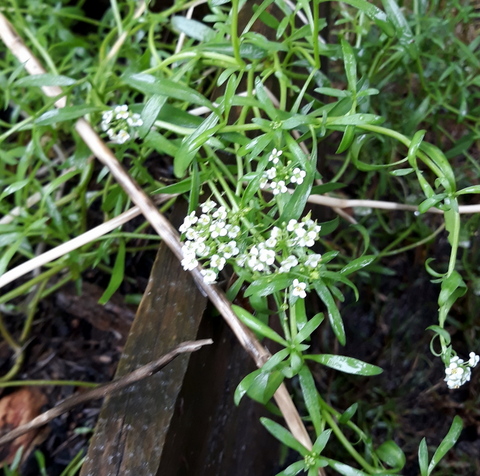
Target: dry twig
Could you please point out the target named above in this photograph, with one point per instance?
(107, 389)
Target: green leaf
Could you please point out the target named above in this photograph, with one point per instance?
(321, 441)
(192, 143)
(344, 468)
(257, 326)
(389, 452)
(310, 397)
(453, 287)
(244, 385)
(150, 112)
(374, 14)
(149, 84)
(193, 28)
(283, 435)
(332, 310)
(357, 264)
(266, 285)
(325, 188)
(405, 35)
(347, 139)
(14, 187)
(294, 468)
(309, 328)
(117, 274)
(471, 189)
(348, 413)
(441, 332)
(348, 365)
(65, 114)
(423, 457)
(354, 119)
(350, 65)
(160, 143)
(264, 385)
(46, 79)
(447, 443)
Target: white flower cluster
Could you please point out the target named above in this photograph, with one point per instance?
(458, 372)
(118, 123)
(212, 238)
(209, 237)
(278, 175)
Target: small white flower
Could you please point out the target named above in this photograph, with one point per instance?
(271, 173)
(474, 359)
(208, 206)
(313, 260)
(209, 276)
(191, 234)
(287, 264)
(233, 231)
(204, 219)
(121, 112)
(107, 117)
(228, 249)
(221, 213)
(267, 256)
(218, 262)
(292, 224)
(276, 232)
(271, 242)
(297, 176)
(189, 262)
(299, 289)
(188, 222)
(134, 120)
(217, 229)
(122, 137)
(275, 156)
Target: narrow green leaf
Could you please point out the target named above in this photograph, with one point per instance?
(149, 84)
(117, 274)
(193, 28)
(375, 14)
(471, 189)
(192, 143)
(257, 326)
(442, 332)
(14, 187)
(357, 264)
(348, 365)
(332, 310)
(347, 139)
(310, 397)
(283, 435)
(326, 187)
(244, 385)
(350, 65)
(344, 469)
(309, 328)
(321, 441)
(294, 468)
(447, 443)
(150, 112)
(266, 285)
(423, 457)
(65, 114)
(389, 452)
(348, 414)
(405, 35)
(46, 79)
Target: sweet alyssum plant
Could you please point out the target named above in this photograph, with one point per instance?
(247, 161)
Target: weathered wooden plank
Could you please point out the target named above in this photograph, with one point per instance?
(133, 425)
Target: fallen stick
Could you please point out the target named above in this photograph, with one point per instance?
(106, 389)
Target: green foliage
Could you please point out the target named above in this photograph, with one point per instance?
(220, 109)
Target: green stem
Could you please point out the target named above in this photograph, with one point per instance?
(234, 34)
